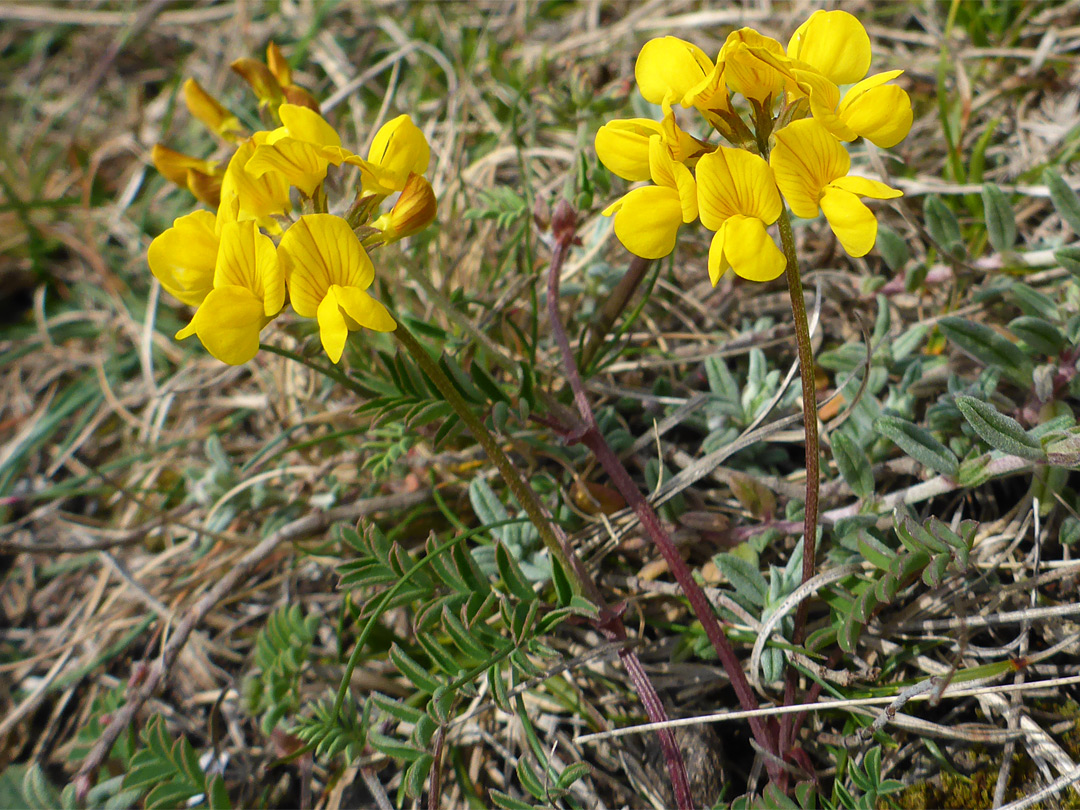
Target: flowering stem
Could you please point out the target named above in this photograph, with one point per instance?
(559, 547)
(557, 544)
(592, 438)
(788, 729)
(809, 400)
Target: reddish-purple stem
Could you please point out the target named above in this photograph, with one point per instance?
(591, 437)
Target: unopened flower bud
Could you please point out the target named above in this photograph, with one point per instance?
(414, 210)
(207, 109)
(295, 94)
(201, 177)
(275, 60)
(263, 83)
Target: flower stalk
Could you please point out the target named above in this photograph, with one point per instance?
(589, 434)
(559, 547)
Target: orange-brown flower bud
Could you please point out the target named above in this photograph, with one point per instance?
(275, 60)
(201, 177)
(263, 83)
(414, 210)
(295, 94)
(207, 109)
(205, 187)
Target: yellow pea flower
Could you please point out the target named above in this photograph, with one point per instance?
(835, 44)
(398, 150)
(738, 198)
(623, 145)
(251, 197)
(248, 292)
(328, 272)
(670, 70)
(833, 48)
(183, 257)
(201, 177)
(811, 169)
(744, 69)
(300, 150)
(647, 219)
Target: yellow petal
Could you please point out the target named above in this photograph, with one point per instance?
(301, 164)
(318, 251)
(833, 43)
(623, 147)
(183, 257)
(647, 221)
(332, 327)
(307, 125)
(399, 147)
(258, 197)
(364, 310)
(278, 64)
(747, 73)
(824, 102)
(865, 187)
(670, 65)
(206, 108)
(852, 222)
(751, 251)
(805, 159)
(684, 147)
(718, 263)
(175, 165)
(732, 182)
(248, 259)
(228, 324)
(687, 188)
(878, 112)
(414, 210)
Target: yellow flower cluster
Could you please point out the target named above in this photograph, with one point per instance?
(273, 228)
(791, 151)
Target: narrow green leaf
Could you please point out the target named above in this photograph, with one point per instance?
(1000, 220)
(1065, 201)
(414, 673)
(393, 747)
(987, 346)
(998, 430)
(745, 577)
(918, 443)
(943, 226)
(507, 802)
(511, 575)
(571, 774)
(849, 633)
(893, 248)
(1038, 333)
(874, 551)
(486, 384)
(217, 795)
(416, 776)
(1069, 258)
(853, 464)
(563, 590)
(463, 639)
(529, 780)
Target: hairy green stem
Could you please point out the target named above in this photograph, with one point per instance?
(809, 400)
(556, 543)
(788, 725)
